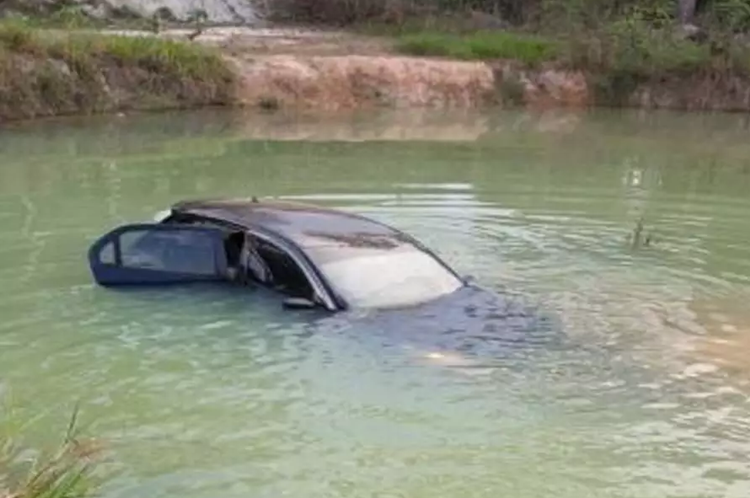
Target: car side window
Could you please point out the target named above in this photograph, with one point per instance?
(176, 252)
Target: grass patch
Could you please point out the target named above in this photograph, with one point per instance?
(479, 45)
(167, 56)
(47, 72)
(618, 57)
(64, 472)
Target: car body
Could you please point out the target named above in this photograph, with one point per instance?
(342, 260)
(329, 260)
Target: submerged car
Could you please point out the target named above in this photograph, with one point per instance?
(316, 257)
(328, 260)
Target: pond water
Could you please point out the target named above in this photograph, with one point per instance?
(208, 393)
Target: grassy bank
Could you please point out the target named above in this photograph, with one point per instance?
(624, 47)
(613, 47)
(616, 58)
(58, 72)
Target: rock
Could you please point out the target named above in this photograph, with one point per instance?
(30, 7)
(96, 11)
(217, 11)
(546, 87)
(566, 87)
(691, 32)
(60, 66)
(24, 65)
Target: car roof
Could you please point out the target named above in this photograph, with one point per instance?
(306, 225)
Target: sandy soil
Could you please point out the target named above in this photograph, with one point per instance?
(250, 41)
(307, 68)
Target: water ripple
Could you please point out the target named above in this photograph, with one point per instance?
(610, 366)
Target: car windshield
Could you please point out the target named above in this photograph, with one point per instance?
(384, 278)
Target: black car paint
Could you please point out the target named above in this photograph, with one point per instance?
(218, 213)
(276, 238)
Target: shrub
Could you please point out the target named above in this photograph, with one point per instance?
(636, 48)
(17, 36)
(66, 472)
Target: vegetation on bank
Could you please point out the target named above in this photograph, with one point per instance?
(480, 45)
(620, 47)
(618, 44)
(616, 60)
(539, 15)
(48, 72)
(65, 472)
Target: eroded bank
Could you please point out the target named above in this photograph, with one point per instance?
(319, 72)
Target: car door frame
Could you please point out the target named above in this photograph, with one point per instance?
(115, 274)
(320, 286)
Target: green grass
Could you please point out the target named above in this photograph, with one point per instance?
(53, 72)
(66, 471)
(479, 46)
(642, 53)
(617, 58)
(620, 58)
(176, 57)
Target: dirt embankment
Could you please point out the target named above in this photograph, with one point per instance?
(47, 87)
(46, 73)
(333, 71)
(329, 71)
(321, 72)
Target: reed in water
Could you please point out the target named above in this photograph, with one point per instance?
(66, 471)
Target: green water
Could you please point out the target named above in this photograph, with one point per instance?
(208, 394)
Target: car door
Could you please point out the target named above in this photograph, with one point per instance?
(158, 254)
